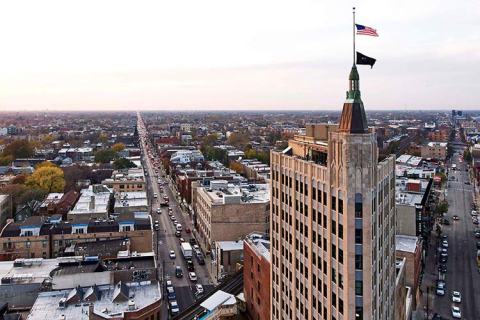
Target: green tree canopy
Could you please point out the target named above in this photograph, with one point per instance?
(122, 163)
(105, 156)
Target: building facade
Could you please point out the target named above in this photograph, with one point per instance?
(256, 276)
(224, 212)
(333, 222)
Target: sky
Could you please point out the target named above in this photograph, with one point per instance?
(233, 55)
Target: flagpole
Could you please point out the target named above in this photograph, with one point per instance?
(354, 62)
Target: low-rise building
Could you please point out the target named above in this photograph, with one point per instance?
(130, 202)
(256, 275)
(93, 202)
(227, 212)
(128, 180)
(434, 150)
(48, 237)
(228, 256)
(410, 248)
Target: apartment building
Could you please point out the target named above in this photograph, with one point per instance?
(434, 150)
(333, 222)
(48, 237)
(224, 211)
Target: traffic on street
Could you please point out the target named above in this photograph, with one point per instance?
(182, 267)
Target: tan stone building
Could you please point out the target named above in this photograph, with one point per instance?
(225, 212)
(333, 222)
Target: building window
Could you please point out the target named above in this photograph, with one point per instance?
(358, 288)
(358, 205)
(340, 206)
(358, 236)
(28, 244)
(340, 231)
(334, 203)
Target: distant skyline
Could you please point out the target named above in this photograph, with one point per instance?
(236, 55)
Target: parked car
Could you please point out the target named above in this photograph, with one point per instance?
(190, 265)
(192, 241)
(178, 233)
(455, 217)
(171, 293)
(187, 230)
(155, 195)
(159, 211)
(445, 243)
(440, 288)
(173, 306)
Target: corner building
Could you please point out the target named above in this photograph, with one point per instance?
(333, 222)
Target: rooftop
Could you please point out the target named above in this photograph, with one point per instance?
(229, 245)
(223, 192)
(406, 243)
(260, 243)
(141, 294)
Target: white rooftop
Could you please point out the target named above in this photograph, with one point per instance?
(229, 245)
(217, 299)
(405, 243)
(46, 306)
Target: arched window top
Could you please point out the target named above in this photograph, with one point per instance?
(358, 198)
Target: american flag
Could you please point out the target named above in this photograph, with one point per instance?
(366, 31)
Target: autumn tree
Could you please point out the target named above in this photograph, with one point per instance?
(238, 139)
(117, 147)
(50, 179)
(19, 149)
(45, 164)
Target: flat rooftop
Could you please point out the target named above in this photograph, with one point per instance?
(46, 306)
(406, 243)
(223, 192)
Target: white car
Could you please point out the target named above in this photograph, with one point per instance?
(192, 276)
(456, 296)
(456, 313)
(172, 254)
(445, 243)
(155, 195)
(199, 288)
(169, 283)
(159, 210)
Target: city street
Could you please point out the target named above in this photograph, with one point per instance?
(165, 236)
(462, 273)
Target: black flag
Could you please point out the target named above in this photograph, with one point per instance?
(363, 59)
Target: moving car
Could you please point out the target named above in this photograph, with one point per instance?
(456, 313)
(178, 272)
(455, 217)
(155, 195)
(159, 211)
(172, 254)
(199, 288)
(192, 276)
(440, 288)
(190, 265)
(456, 297)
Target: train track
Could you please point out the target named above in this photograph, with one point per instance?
(232, 285)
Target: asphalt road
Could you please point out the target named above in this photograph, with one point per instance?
(165, 237)
(462, 274)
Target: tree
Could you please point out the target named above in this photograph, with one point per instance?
(105, 156)
(50, 179)
(117, 147)
(238, 139)
(45, 164)
(6, 160)
(122, 163)
(442, 208)
(19, 149)
(103, 137)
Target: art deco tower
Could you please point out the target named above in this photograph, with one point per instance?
(333, 222)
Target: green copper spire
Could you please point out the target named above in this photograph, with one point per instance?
(353, 118)
(354, 84)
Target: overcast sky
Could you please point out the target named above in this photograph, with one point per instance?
(251, 54)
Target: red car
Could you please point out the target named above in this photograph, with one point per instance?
(187, 230)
